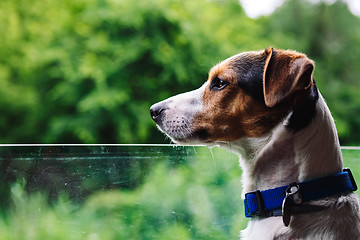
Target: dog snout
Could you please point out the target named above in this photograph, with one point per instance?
(156, 111)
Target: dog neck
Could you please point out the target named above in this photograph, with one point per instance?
(282, 156)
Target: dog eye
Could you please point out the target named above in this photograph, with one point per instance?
(218, 84)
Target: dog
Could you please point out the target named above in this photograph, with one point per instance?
(265, 106)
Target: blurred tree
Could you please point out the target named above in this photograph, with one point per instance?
(87, 71)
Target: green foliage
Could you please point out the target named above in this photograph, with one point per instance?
(87, 71)
(198, 200)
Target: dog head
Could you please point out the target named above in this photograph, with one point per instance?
(246, 95)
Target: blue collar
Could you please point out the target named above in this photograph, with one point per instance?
(269, 202)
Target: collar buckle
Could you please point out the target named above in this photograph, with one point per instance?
(260, 204)
(351, 179)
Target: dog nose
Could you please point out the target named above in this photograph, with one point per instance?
(156, 110)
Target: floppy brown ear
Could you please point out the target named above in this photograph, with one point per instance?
(285, 72)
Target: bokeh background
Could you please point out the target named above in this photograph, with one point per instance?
(87, 71)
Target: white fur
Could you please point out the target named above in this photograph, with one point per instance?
(282, 157)
(279, 158)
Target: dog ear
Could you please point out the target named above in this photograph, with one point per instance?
(285, 72)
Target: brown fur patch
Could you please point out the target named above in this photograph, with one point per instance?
(231, 113)
(285, 72)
